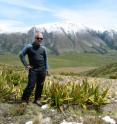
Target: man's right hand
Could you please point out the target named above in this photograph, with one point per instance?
(47, 73)
(28, 67)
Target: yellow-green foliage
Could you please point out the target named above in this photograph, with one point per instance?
(83, 94)
(58, 90)
(11, 82)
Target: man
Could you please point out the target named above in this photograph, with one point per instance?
(37, 68)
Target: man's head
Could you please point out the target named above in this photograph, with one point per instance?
(38, 38)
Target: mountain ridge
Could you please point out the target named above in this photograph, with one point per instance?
(63, 37)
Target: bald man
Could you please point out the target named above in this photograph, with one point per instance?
(37, 68)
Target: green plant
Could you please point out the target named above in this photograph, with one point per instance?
(75, 93)
(57, 91)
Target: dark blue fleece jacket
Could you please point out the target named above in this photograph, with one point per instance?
(37, 56)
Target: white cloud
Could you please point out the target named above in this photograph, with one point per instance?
(12, 26)
(28, 4)
(96, 19)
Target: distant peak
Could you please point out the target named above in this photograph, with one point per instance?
(67, 26)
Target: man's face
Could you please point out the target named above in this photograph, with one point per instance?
(38, 38)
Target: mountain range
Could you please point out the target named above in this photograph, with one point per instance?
(61, 38)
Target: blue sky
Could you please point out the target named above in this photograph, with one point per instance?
(16, 15)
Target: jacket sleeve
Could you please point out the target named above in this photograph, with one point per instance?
(22, 55)
(46, 59)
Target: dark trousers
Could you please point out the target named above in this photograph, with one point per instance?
(37, 78)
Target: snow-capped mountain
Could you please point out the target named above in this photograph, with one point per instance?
(64, 37)
(68, 27)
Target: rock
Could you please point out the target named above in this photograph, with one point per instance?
(40, 120)
(29, 122)
(46, 120)
(52, 110)
(108, 119)
(45, 106)
(65, 122)
(115, 100)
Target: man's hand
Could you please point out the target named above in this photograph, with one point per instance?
(47, 73)
(28, 67)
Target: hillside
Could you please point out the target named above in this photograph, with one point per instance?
(92, 101)
(61, 38)
(109, 71)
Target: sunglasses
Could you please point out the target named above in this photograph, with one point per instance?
(39, 38)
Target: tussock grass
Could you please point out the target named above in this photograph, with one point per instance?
(57, 91)
(73, 93)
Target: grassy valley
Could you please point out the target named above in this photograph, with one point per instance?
(68, 59)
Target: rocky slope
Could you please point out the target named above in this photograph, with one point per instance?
(63, 37)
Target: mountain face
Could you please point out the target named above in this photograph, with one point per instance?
(61, 38)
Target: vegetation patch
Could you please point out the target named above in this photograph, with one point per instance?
(72, 98)
(108, 71)
(56, 92)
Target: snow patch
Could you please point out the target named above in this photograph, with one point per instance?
(68, 27)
